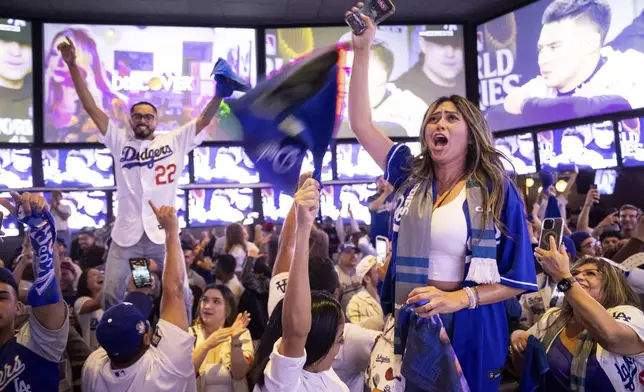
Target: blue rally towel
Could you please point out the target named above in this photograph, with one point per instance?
(42, 233)
(429, 363)
(535, 366)
(294, 111)
(227, 80)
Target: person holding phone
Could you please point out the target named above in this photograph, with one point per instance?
(595, 340)
(460, 242)
(149, 168)
(133, 356)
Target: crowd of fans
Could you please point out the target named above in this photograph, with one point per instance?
(243, 335)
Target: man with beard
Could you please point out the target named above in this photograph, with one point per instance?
(148, 170)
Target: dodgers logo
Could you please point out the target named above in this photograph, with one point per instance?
(10, 372)
(46, 272)
(130, 157)
(283, 159)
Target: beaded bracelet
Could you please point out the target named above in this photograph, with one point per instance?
(471, 297)
(476, 294)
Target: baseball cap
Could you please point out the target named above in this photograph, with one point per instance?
(364, 266)
(122, 327)
(579, 237)
(347, 247)
(268, 227)
(15, 30)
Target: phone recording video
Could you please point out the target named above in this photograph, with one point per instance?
(552, 228)
(382, 247)
(140, 268)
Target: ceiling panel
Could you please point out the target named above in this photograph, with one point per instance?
(258, 12)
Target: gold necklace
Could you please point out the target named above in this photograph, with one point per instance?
(300, 38)
(511, 41)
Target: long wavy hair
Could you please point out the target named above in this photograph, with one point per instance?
(483, 160)
(617, 291)
(235, 236)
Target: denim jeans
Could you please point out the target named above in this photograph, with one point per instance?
(117, 270)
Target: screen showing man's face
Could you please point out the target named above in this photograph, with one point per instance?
(572, 145)
(15, 62)
(446, 61)
(561, 53)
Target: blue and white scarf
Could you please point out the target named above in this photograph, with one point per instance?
(412, 262)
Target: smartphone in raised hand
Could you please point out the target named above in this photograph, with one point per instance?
(140, 268)
(551, 228)
(382, 247)
(377, 10)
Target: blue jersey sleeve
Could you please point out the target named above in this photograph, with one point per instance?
(514, 251)
(398, 165)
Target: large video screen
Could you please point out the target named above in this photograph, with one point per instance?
(557, 60)
(276, 205)
(589, 146)
(89, 208)
(410, 67)
(519, 150)
(78, 168)
(219, 207)
(355, 163)
(9, 223)
(327, 166)
(179, 205)
(223, 165)
(15, 168)
(335, 200)
(167, 66)
(16, 82)
(631, 142)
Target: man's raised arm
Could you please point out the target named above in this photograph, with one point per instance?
(68, 51)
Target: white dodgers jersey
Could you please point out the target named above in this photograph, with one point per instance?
(146, 170)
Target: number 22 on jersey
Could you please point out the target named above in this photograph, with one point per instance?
(165, 174)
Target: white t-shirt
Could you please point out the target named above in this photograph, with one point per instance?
(240, 257)
(88, 322)
(353, 357)
(166, 366)
(288, 375)
(236, 287)
(146, 170)
(61, 224)
(214, 373)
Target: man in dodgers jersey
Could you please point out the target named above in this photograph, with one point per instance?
(132, 357)
(578, 77)
(148, 168)
(29, 358)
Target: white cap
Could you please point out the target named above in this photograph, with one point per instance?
(364, 266)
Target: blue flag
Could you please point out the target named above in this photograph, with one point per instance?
(283, 117)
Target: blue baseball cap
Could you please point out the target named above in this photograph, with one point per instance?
(122, 327)
(347, 247)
